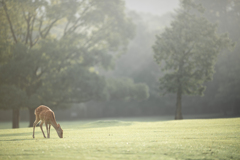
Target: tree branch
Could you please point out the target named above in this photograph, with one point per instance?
(27, 19)
(48, 28)
(65, 29)
(28, 28)
(31, 32)
(9, 21)
(40, 26)
(76, 25)
(95, 39)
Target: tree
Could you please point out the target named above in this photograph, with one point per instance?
(226, 79)
(188, 50)
(119, 93)
(56, 45)
(125, 90)
(228, 91)
(12, 97)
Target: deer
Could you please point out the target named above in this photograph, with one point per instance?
(47, 116)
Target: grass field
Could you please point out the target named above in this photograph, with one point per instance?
(114, 139)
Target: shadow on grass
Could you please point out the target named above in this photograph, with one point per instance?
(105, 123)
(16, 156)
(15, 134)
(9, 140)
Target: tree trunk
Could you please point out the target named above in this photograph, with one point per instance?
(178, 113)
(15, 118)
(31, 116)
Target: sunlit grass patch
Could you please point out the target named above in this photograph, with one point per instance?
(112, 139)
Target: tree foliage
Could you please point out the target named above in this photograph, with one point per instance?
(226, 91)
(126, 90)
(51, 48)
(187, 51)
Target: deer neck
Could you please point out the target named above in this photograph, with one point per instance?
(54, 124)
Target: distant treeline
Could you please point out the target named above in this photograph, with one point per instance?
(222, 94)
(92, 66)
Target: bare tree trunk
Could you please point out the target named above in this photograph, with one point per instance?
(31, 116)
(15, 118)
(178, 113)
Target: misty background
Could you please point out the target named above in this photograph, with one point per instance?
(137, 66)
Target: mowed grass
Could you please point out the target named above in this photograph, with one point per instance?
(113, 139)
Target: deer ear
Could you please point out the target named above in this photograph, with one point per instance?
(58, 125)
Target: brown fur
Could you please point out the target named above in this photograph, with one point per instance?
(46, 115)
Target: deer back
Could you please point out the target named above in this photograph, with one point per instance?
(45, 114)
(40, 109)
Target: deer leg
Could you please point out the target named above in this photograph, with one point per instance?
(49, 130)
(34, 125)
(42, 129)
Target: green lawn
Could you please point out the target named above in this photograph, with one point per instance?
(114, 139)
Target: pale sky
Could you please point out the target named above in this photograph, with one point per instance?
(158, 7)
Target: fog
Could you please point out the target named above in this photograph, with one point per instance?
(156, 7)
(105, 62)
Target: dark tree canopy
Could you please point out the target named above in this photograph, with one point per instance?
(50, 50)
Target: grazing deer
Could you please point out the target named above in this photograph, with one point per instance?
(46, 115)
